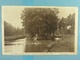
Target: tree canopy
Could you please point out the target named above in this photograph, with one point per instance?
(39, 21)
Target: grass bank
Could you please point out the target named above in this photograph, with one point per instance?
(64, 45)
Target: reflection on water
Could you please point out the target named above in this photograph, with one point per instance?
(36, 46)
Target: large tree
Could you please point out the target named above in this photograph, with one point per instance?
(40, 21)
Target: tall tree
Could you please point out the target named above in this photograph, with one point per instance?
(41, 21)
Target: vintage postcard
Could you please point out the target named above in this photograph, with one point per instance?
(39, 30)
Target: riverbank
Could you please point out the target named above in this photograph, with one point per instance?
(13, 38)
(66, 44)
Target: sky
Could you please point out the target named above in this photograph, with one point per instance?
(11, 14)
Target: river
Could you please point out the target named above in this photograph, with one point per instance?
(23, 45)
(18, 46)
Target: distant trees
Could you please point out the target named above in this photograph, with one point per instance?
(68, 24)
(9, 30)
(62, 23)
(71, 22)
(40, 21)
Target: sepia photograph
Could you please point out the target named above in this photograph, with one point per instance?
(39, 30)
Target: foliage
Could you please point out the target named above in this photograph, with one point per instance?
(71, 22)
(9, 30)
(68, 22)
(41, 21)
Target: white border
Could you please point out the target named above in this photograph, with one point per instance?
(46, 53)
